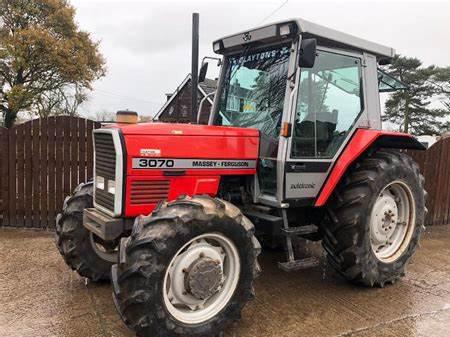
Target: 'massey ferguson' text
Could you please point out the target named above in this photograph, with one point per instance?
(170, 163)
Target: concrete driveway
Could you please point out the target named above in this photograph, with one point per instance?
(40, 297)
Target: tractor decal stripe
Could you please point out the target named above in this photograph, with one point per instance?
(172, 163)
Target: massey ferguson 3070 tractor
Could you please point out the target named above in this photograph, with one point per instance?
(294, 149)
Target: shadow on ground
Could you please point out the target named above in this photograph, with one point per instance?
(41, 297)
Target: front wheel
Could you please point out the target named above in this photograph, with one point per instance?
(82, 250)
(186, 270)
(376, 216)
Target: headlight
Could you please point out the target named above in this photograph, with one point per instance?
(100, 182)
(111, 186)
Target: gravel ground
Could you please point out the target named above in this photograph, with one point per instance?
(40, 297)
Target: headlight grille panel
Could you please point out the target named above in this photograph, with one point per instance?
(105, 166)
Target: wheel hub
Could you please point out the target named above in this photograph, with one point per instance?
(204, 278)
(392, 221)
(196, 275)
(385, 217)
(201, 278)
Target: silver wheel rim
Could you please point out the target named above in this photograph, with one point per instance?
(101, 251)
(183, 305)
(392, 222)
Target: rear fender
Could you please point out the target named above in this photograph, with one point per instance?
(362, 140)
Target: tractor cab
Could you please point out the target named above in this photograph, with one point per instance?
(307, 89)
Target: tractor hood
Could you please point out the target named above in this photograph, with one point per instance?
(167, 129)
(157, 161)
(191, 159)
(152, 148)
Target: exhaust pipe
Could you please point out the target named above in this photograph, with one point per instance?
(194, 66)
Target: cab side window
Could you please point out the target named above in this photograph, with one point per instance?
(329, 102)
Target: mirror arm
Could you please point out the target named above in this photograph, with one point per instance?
(291, 77)
(218, 59)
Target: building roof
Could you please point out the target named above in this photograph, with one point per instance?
(206, 88)
(209, 86)
(325, 36)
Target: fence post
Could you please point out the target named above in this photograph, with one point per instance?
(12, 196)
(4, 188)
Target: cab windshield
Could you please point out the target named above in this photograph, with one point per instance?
(254, 89)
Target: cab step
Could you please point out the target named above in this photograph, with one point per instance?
(300, 230)
(256, 216)
(294, 265)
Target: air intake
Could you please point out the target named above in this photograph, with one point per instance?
(144, 192)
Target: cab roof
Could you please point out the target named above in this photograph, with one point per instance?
(279, 30)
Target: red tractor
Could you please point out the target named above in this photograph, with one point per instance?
(293, 149)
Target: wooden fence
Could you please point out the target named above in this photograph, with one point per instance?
(42, 161)
(435, 166)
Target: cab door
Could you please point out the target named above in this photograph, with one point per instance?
(329, 102)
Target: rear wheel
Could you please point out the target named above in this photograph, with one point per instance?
(186, 270)
(82, 250)
(376, 216)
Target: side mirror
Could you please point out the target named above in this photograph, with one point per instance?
(307, 54)
(202, 72)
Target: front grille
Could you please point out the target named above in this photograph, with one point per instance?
(145, 192)
(105, 166)
(104, 199)
(105, 155)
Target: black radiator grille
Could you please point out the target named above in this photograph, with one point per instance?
(104, 199)
(105, 155)
(105, 166)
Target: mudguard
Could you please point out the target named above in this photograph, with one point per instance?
(361, 141)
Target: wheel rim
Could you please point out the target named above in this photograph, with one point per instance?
(392, 222)
(201, 278)
(105, 250)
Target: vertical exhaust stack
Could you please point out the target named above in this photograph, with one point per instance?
(194, 67)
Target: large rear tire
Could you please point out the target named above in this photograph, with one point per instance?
(376, 216)
(82, 250)
(187, 269)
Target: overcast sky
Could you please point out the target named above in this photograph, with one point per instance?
(147, 43)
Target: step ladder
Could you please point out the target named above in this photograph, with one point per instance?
(292, 264)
